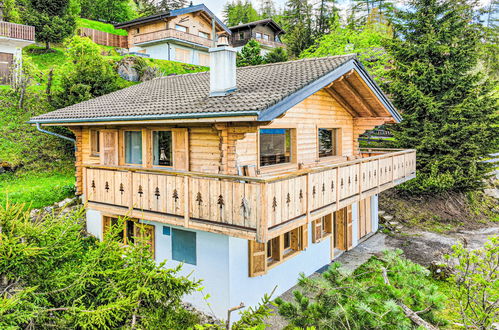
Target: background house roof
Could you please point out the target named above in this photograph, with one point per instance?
(267, 21)
(173, 13)
(265, 91)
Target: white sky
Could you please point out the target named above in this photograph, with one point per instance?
(216, 6)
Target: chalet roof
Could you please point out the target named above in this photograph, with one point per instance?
(172, 13)
(267, 21)
(264, 91)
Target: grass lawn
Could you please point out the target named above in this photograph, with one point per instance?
(36, 189)
(104, 27)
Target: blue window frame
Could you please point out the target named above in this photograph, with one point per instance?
(275, 146)
(184, 246)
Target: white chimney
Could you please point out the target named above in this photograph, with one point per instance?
(222, 70)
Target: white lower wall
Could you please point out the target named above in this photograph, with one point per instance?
(166, 51)
(222, 264)
(374, 215)
(355, 224)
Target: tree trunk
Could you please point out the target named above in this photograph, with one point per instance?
(47, 45)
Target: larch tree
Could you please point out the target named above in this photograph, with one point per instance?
(449, 107)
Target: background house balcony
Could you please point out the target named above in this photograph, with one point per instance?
(17, 31)
(251, 207)
(241, 42)
(161, 35)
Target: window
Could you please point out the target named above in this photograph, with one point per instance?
(94, 142)
(204, 34)
(241, 35)
(184, 246)
(258, 35)
(266, 37)
(204, 59)
(180, 28)
(275, 146)
(131, 231)
(162, 148)
(182, 55)
(137, 31)
(322, 228)
(133, 147)
(328, 144)
(281, 247)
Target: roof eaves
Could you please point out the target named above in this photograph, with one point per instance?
(145, 117)
(291, 100)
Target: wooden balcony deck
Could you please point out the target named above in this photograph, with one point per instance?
(17, 31)
(248, 207)
(171, 33)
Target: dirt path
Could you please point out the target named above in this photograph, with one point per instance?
(419, 246)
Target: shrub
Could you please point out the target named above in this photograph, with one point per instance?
(55, 275)
(363, 299)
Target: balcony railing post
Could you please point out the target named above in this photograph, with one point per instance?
(337, 188)
(262, 225)
(186, 201)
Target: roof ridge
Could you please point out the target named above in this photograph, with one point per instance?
(305, 59)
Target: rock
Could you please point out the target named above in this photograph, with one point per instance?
(126, 69)
(48, 209)
(394, 223)
(492, 193)
(34, 213)
(388, 218)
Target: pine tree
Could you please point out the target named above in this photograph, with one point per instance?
(298, 24)
(327, 16)
(250, 54)
(267, 8)
(239, 12)
(449, 110)
(278, 54)
(53, 20)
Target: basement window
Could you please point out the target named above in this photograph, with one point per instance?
(275, 146)
(284, 246)
(184, 246)
(94, 143)
(133, 147)
(162, 148)
(322, 228)
(129, 231)
(328, 142)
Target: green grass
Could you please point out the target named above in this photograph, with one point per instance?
(36, 189)
(104, 27)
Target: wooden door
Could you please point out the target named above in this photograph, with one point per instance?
(109, 147)
(6, 61)
(365, 225)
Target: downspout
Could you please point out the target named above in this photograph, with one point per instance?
(39, 128)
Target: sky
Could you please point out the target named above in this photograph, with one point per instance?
(216, 6)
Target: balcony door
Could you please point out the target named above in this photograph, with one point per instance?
(342, 239)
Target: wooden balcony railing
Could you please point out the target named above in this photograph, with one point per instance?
(253, 207)
(241, 42)
(17, 31)
(171, 33)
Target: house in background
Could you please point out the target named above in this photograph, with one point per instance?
(182, 35)
(13, 37)
(266, 32)
(247, 183)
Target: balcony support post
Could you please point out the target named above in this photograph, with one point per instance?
(337, 189)
(309, 198)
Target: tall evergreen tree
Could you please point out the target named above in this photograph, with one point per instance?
(267, 8)
(326, 17)
(298, 24)
(54, 20)
(107, 10)
(450, 112)
(239, 12)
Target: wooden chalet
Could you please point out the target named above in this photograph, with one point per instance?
(249, 176)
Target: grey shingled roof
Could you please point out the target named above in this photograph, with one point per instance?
(259, 87)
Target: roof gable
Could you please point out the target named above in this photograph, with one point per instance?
(174, 13)
(264, 92)
(267, 22)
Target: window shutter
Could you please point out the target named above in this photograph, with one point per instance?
(349, 227)
(304, 236)
(109, 147)
(316, 230)
(106, 224)
(181, 149)
(257, 258)
(329, 223)
(295, 238)
(144, 231)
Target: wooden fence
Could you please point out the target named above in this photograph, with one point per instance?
(17, 31)
(104, 38)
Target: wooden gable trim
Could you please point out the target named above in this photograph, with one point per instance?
(342, 102)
